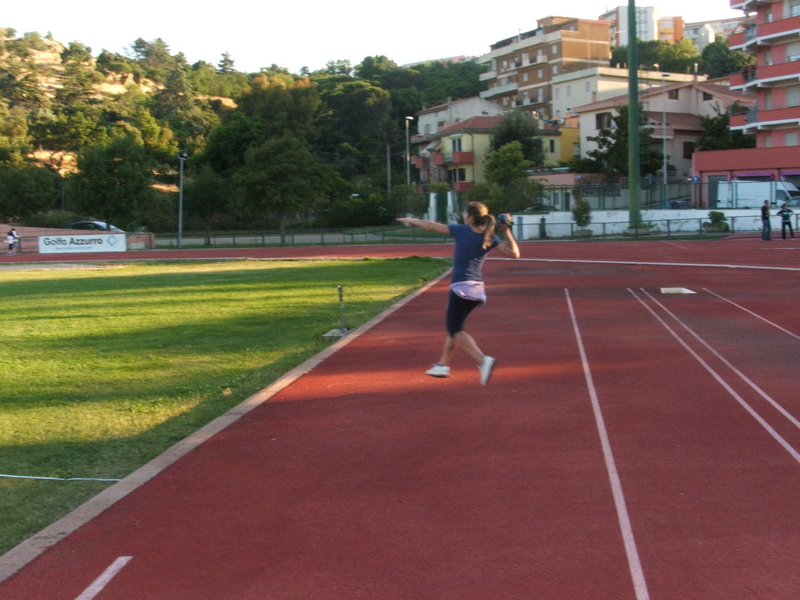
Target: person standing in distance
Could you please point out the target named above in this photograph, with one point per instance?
(473, 241)
(765, 226)
(785, 213)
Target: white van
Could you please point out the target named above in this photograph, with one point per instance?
(751, 194)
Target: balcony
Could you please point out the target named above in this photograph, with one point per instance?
(765, 34)
(488, 75)
(500, 90)
(453, 158)
(748, 5)
(772, 75)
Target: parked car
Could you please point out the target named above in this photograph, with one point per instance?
(540, 208)
(95, 226)
(678, 204)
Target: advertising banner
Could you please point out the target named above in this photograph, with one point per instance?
(63, 244)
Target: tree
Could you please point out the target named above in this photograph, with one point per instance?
(514, 127)
(611, 155)
(717, 134)
(225, 64)
(281, 178)
(507, 164)
(25, 190)
(507, 174)
(679, 57)
(207, 193)
(284, 104)
(113, 180)
(719, 60)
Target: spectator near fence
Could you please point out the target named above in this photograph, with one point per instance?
(785, 213)
(12, 239)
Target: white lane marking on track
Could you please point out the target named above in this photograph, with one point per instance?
(677, 245)
(776, 436)
(101, 582)
(795, 336)
(727, 363)
(634, 563)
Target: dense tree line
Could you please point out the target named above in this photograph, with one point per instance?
(266, 149)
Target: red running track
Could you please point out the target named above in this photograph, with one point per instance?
(632, 444)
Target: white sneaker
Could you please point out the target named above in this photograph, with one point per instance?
(486, 368)
(438, 371)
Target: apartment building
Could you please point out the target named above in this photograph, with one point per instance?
(682, 101)
(521, 68)
(773, 36)
(650, 25)
(456, 153)
(600, 83)
(430, 120)
(703, 33)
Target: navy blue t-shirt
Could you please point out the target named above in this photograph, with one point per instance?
(469, 253)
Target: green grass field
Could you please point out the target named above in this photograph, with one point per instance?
(105, 367)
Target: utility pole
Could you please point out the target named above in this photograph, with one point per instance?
(635, 216)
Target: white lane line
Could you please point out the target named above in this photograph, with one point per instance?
(634, 563)
(727, 363)
(776, 436)
(757, 316)
(102, 581)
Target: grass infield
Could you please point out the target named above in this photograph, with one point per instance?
(105, 367)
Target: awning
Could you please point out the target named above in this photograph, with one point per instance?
(754, 174)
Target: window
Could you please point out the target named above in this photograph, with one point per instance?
(457, 175)
(707, 97)
(793, 52)
(540, 74)
(768, 99)
(569, 91)
(457, 145)
(588, 86)
(557, 92)
(793, 95)
(673, 94)
(767, 141)
(602, 121)
(554, 49)
(794, 8)
(553, 146)
(688, 149)
(524, 77)
(768, 57)
(555, 69)
(790, 139)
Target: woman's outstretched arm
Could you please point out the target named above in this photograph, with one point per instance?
(425, 224)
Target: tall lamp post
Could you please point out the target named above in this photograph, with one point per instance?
(664, 135)
(182, 156)
(408, 152)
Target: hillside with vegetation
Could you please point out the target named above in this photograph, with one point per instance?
(86, 134)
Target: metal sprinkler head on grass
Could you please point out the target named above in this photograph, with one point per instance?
(342, 331)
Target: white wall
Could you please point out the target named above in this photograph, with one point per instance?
(615, 222)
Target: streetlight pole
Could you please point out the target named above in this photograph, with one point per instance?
(182, 156)
(664, 135)
(408, 152)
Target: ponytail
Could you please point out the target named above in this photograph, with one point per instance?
(481, 217)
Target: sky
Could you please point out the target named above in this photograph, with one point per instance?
(293, 34)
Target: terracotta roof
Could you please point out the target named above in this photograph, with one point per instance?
(471, 124)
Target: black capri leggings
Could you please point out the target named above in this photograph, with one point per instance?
(458, 310)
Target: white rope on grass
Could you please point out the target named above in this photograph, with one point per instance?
(56, 478)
